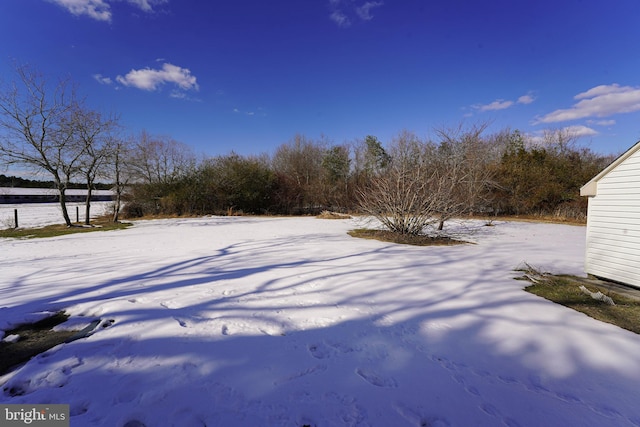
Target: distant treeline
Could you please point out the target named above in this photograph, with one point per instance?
(17, 182)
(505, 173)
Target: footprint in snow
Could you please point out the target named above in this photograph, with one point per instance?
(319, 351)
(489, 409)
(79, 408)
(507, 380)
(472, 390)
(605, 411)
(570, 398)
(181, 322)
(510, 422)
(375, 379)
(416, 417)
(225, 330)
(312, 370)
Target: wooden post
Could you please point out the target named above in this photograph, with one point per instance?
(77, 214)
(15, 217)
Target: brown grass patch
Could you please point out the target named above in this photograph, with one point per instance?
(332, 215)
(565, 290)
(35, 338)
(404, 239)
(546, 219)
(62, 229)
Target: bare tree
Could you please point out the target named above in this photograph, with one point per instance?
(337, 167)
(93, 132)
(464, 159)
(427, 183)
(160, 160)
(298, 165)
(35, 122)
(157, 165)
(407, 196)
(120, 172)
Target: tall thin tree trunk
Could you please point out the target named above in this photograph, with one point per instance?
(88, 206)
(116, 207)
(62, 189)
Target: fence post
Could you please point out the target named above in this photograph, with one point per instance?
(77, 214)
(15, 217)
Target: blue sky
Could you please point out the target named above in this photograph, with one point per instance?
(247, 75)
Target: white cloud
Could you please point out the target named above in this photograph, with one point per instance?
(340, 18)
(146, 5)
(178, 94)
(247, 113)
(600, 101)
(342, 11)
(102, 79)
(601, 90)
(364, 11)
(502, 104)
(601, 122)
(100, 10)
(544, 137)
(580, 130)
(499, 104)
(96, 9)
(526, 99)
(150, 79)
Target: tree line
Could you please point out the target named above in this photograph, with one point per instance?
(16, 181)
(408, 183)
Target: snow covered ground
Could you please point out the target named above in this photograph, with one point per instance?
(39, 214)
(241, 321)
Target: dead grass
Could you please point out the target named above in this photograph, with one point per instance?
(333, 215)
(35, 338)
(61, 229)
(565, 290)
(546, 219)
(404, 239)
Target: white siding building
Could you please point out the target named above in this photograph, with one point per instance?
(613, 220)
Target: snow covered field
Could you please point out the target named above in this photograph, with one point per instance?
(240, 321)
(39, 214)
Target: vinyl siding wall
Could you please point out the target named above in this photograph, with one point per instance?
(613, 224)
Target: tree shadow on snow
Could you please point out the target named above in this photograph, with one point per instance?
(368, 334)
